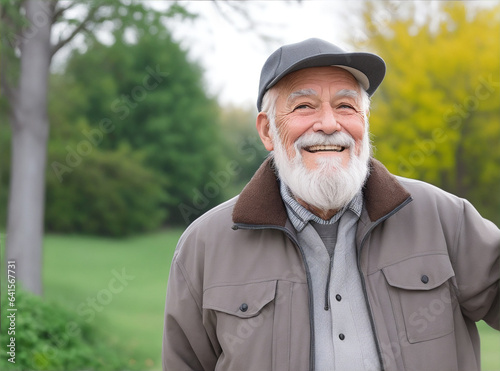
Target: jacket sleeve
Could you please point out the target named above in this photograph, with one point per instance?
(477, 267)
(186, 345)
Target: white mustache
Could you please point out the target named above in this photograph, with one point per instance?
(336, 139)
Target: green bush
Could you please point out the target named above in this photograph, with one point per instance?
(50, 337)
(109, 193)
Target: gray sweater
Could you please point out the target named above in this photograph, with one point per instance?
(344, 338)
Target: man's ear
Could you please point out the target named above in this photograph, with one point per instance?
(263, 130)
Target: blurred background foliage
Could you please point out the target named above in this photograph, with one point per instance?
(436, 117)
(152, 98)
(141, 93)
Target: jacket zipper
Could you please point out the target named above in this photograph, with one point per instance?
(308, 277)
(363, 283)
(327, 288)
(309, 283)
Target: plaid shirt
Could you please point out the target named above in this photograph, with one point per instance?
(299, 216)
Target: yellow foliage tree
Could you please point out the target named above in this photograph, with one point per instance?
(436, 117)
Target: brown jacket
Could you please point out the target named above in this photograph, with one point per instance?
(238, 296)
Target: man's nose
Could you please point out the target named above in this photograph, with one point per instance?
(326, 121)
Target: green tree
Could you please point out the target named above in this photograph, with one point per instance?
(436, 116)
(243, 149)
(153, 99)
(90, 189)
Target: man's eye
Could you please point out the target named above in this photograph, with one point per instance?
(346, 106)
(302, 106)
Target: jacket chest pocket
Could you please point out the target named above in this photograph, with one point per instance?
(421, 296)
(249, 322)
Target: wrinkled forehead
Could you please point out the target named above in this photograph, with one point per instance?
(312, 93)
(312, 81)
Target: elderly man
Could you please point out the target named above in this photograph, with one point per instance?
(326, 261)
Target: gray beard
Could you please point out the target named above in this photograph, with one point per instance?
(330, 186)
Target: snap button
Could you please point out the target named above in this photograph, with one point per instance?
(424, 279)
(338, 297)
(244, 307)
(341, 336)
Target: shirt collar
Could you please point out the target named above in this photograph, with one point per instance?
(299, 216)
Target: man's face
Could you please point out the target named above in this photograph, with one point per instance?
(319, 138)
(319, 100)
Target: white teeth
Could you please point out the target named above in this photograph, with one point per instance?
(325, 148)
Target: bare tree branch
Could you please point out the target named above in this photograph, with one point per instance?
(80, 27)
(238, 15)
(242, 10)
(59, 12)
(238, 10)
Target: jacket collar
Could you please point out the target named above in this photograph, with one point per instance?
(260, 201)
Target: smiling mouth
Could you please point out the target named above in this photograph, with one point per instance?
(324, 148)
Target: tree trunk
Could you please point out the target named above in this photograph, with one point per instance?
(30, 130)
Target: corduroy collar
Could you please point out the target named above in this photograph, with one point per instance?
(260, 201)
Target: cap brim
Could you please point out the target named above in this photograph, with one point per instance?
(368, 69)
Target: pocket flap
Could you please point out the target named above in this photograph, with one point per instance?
(419, 273)
(243, 301)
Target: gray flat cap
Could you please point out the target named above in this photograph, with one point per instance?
(367, 68)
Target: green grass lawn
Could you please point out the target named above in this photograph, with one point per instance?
(490, 347)
(80, 272)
